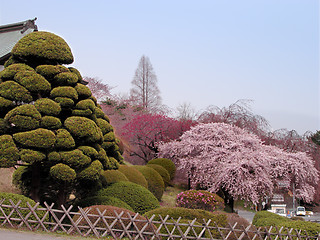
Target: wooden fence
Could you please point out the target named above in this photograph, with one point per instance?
(124, 225)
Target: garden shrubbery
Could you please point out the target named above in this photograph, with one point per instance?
(187, 215)
(102, 200)
(200, 199)
(24, 200)
(133, 175)
(166, 163)
(110, 211)
(155, 181)
(163, 173)
(113, 176)
(139, 198)
(266, 219)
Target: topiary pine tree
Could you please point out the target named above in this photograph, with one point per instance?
(51, 124)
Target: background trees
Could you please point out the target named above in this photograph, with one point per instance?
(225, 158)
(145, 91)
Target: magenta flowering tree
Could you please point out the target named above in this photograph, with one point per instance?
(143, 131)
(225, 158)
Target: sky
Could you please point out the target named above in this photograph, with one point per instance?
(205, 52)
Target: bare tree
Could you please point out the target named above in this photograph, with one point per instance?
(145, 91)
(186, 111)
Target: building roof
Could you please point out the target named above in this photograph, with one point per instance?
(10, 34)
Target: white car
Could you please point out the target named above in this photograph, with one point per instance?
(301, 211)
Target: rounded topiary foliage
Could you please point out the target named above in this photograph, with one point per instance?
(200, 199)
(139, 198)
(166, 163)
(49, 122)
(113, 176)
(163, 173)
(217, 218)
(42, 47)
(155, 181)
(102, 200)
(23, 204)
(133, 175)
(114, 211)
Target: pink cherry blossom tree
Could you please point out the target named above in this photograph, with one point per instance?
(226, 158)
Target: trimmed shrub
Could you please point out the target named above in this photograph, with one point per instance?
(139, 198)
(166, 163)
(109, 137)
(24, 117)
(24, 200)
(47, 106)
(155, 182)
(9, 72)
(76, 72)
(113, 176)
(64, 140)
(31, 156)
(163, 173)
(267, 219)
(104, 125)
(15, 92)
(84, 129)
(68, 92)
(5, 104)
(66, 79)
(62, 172)
(91, 173)
(32, 81)
(219, 218)
(89, 151)
(9, 152)
(64, 102)
(50, 122)
(110, 211)
(86, 104)
(133, 175)
(75, 158)
(175, 212)
(3, 126)
(49, 71)
(96, 200)
(242, 223)
(200, 199)
(82, 113)
(83, 91)
(43, 47)
(39, 138)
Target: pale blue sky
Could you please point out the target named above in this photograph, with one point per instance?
(203, 52)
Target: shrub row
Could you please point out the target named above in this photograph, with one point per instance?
(267, 219)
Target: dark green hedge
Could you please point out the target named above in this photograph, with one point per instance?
(166, 163)
(267, 219)
(9, 152)
(43, 47)
(39, 138)
(139, 198)
(96, 200)
(133, 175)
(155, 181)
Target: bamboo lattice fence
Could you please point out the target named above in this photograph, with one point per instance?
(122, 225)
